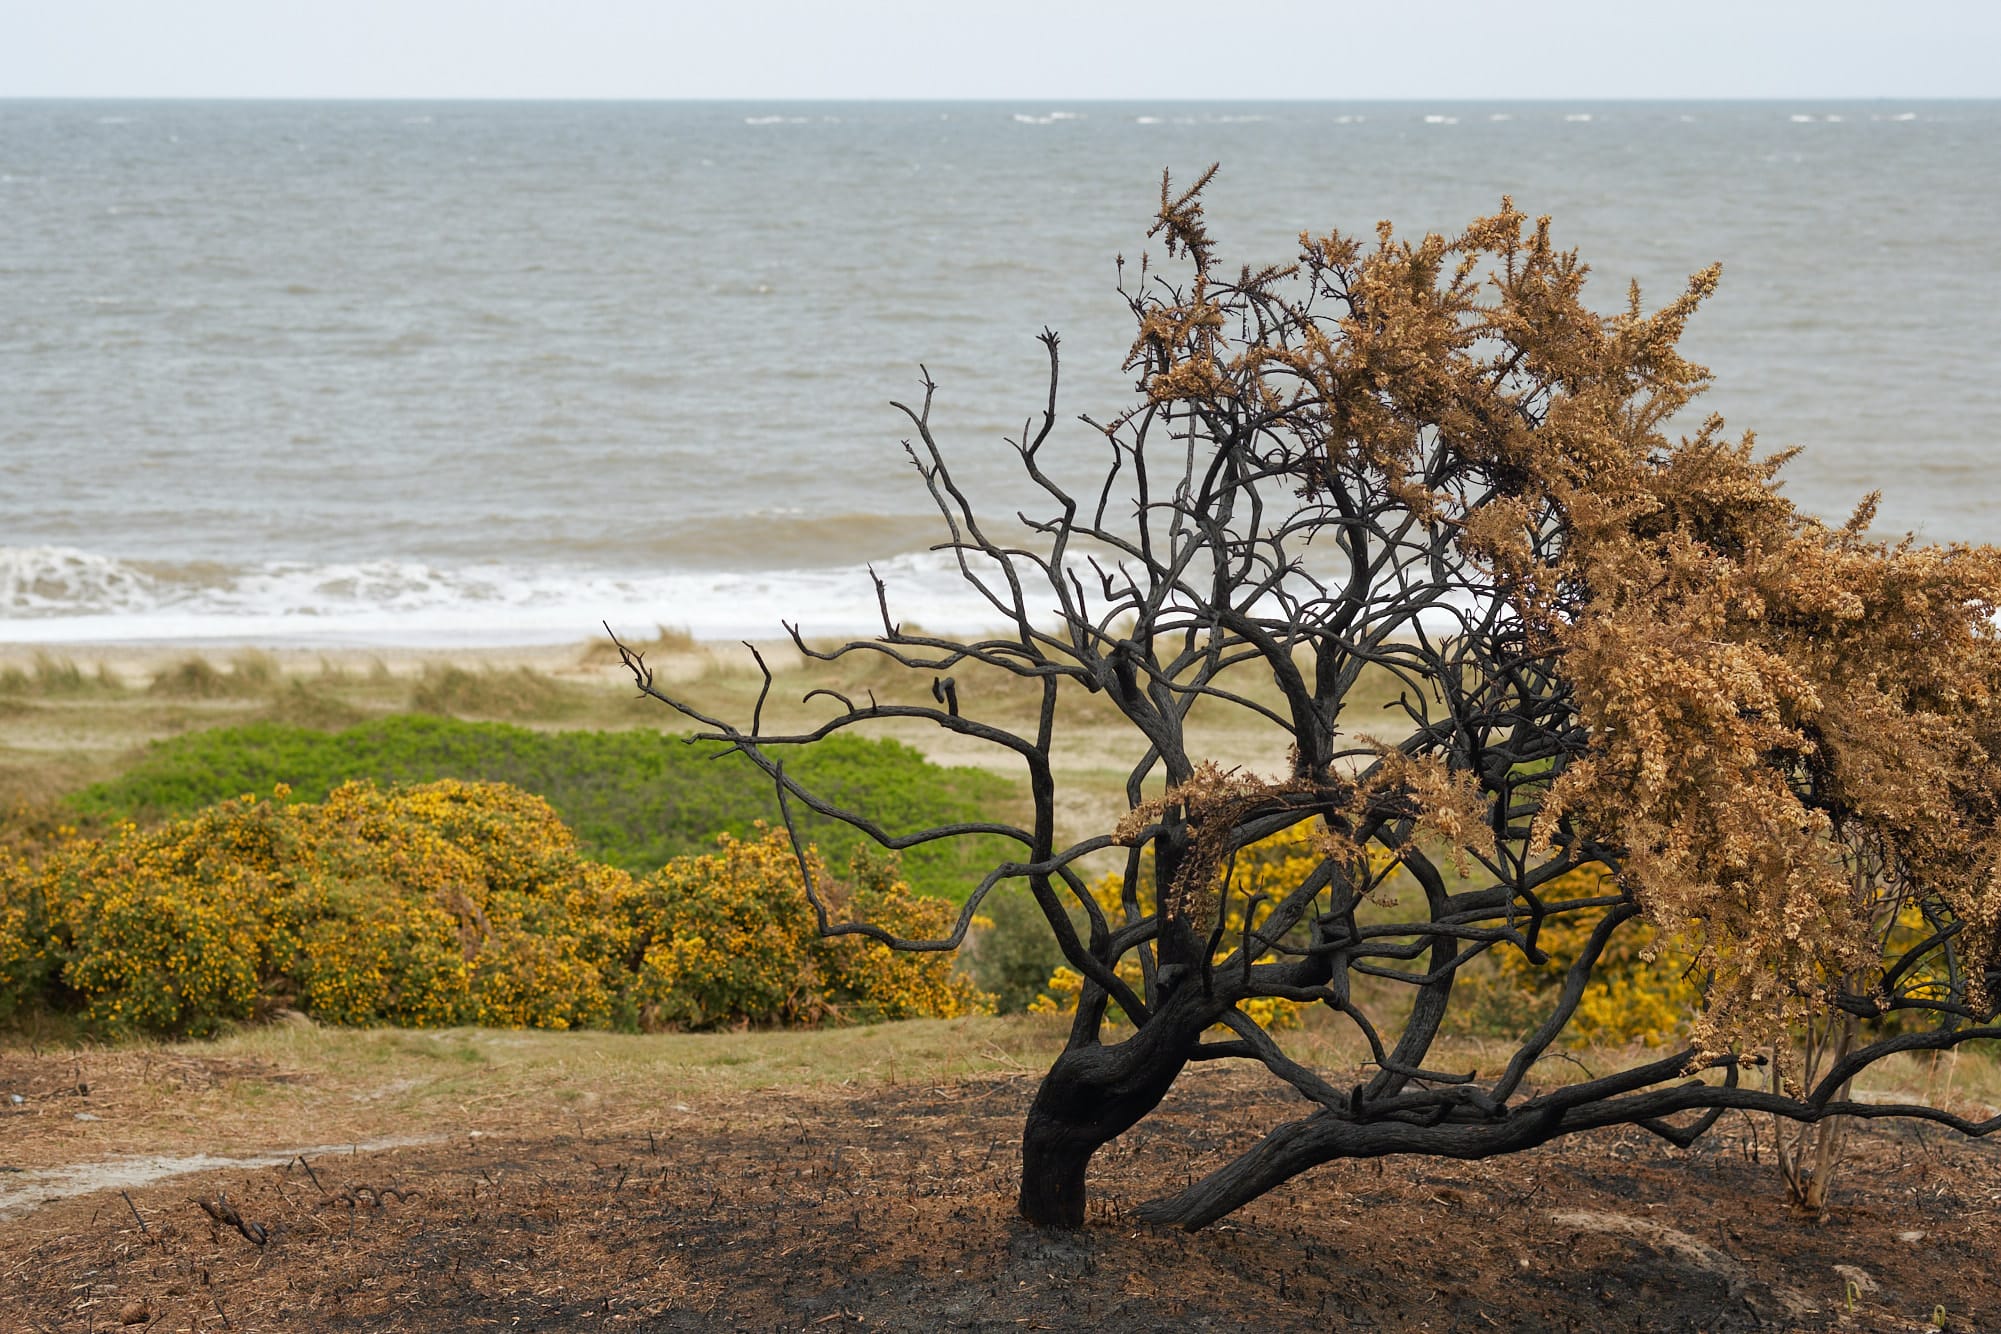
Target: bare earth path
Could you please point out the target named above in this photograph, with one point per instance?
(888, 1205)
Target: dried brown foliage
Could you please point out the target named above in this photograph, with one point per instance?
(1435, 461)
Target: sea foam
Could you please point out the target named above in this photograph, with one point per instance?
(66, 595)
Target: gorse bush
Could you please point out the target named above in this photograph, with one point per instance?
(446, 903)
(1641, 989)
(1431, 460)
(731, 936)
(1261, 872)
(633, 798)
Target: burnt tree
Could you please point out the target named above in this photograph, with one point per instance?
(1412, 507)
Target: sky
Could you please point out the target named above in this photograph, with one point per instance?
(1010, 49)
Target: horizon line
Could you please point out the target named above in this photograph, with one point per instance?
(1610, 99)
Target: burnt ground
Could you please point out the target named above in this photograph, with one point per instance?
(892, 1208)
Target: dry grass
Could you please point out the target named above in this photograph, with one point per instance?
(294, 1082)
(517, 694)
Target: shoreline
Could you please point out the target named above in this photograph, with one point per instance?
(66, 597)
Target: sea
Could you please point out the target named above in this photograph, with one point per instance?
(373, 373)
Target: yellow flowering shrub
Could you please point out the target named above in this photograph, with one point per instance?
(731, 938)
(1269, 869)
(872, 981)
(360, 951)
(154, 950)
(28, 833)
(1637, 992)
(727, 938)
(440, 904)
(1640, 991)
(22, 965)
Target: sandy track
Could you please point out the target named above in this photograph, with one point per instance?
(22, 1190)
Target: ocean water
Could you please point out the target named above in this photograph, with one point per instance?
(436, 373)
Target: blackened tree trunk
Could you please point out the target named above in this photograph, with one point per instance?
(1091, 1096)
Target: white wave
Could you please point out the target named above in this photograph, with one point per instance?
(54, 595)
(1800, 120)
(1903, 115)
(53, 581)
(60, 595)
(1022, 118)
(1146, 120)
(1578, 117)
(1500, 115)
(1349, 120)
(1441, 120)
(775, 120)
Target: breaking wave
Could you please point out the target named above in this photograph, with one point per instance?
(54, 594)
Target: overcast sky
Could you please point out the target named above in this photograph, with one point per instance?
(1022, 49)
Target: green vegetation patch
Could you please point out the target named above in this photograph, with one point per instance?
(635, 799)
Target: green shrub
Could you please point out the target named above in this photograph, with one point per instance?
(633, 798)
(1014, 957)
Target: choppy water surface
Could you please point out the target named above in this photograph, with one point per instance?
(435, 372)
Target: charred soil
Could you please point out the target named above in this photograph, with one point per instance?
(893, 1208)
